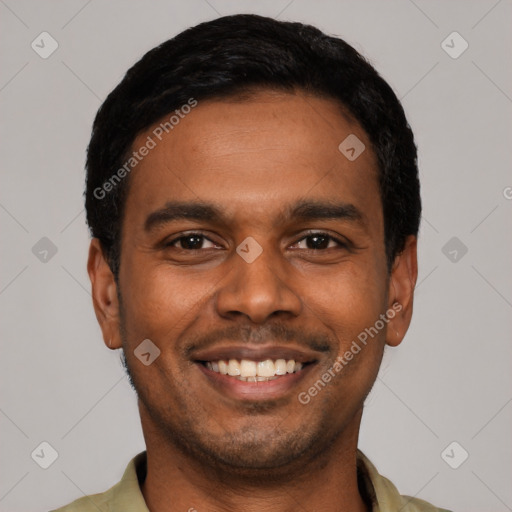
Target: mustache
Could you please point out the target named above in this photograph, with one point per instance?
(277, 333)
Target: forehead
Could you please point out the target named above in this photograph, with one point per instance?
(255, 154)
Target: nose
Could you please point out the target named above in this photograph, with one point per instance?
(258, 290)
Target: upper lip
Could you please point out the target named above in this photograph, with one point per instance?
(255, 353)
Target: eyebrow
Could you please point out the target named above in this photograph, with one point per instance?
(202, 211)
(318, 210)
(177, 210)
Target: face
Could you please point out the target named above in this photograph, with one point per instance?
(252, 246)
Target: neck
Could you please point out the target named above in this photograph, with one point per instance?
(176, 481)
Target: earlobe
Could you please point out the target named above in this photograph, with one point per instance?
(401, 291)
(104, 295)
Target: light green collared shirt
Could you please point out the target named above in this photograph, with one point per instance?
(126, 495)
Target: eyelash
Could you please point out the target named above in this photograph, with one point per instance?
(340, 243)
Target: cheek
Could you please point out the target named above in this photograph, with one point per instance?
(159, 302)
(348, 300)
(349, 308)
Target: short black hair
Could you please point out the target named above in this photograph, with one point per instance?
(229, 56)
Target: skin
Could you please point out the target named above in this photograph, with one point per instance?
(252, 158)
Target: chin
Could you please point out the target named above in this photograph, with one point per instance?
(255, 453)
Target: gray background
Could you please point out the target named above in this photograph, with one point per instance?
(449, 381)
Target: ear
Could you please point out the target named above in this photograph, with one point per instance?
(104, 295)
(401, 291)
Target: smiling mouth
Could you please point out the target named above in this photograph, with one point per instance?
(248, 370)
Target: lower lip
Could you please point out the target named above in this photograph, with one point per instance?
(254, 391)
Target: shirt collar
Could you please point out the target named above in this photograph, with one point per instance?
(126, 495)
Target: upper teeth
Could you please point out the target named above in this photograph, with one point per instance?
(247, 368)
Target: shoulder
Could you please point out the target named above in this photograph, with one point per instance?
(389, 493)
(125, 496)
(93, 503)
(416, 505)
(383, 493)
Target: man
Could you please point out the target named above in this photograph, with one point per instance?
(253, 197)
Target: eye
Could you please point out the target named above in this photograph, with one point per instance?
(191, 242)
(319, 241)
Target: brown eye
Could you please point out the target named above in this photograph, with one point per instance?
(319, 241)
(191, 242)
